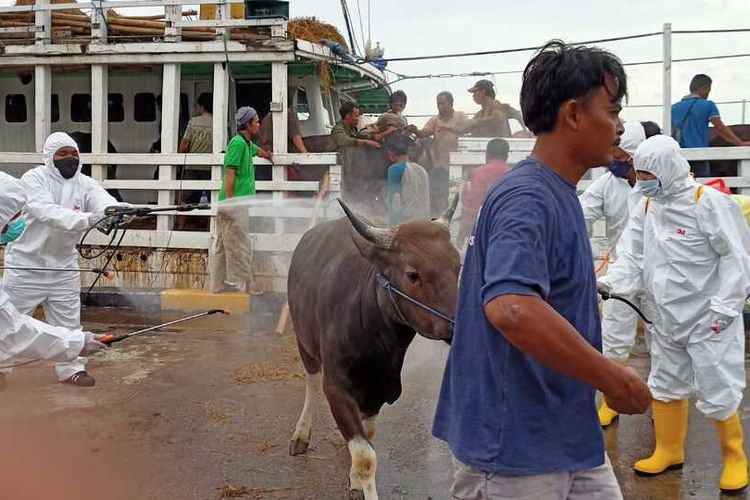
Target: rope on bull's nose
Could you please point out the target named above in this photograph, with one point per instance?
(391, 289)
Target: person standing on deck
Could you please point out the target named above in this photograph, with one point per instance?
(493, 119)
(690, 119)
(442, 127)
(517, 403)
(231, 252)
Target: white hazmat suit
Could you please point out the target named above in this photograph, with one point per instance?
(20, 335)
(689, 259)
(612, 197)
(685, 250)
(57, 211)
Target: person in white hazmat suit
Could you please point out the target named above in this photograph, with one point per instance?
(22, 336)
(61, 203)
(685, 249)
(612, 196)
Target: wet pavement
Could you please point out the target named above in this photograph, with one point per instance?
(207, 408)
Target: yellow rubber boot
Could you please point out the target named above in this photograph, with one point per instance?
(670, 430)
(734, 474)
(606, 414)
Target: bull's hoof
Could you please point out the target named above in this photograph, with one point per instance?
(297, 447)
(356, 495)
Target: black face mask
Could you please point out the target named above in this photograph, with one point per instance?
(67, 166)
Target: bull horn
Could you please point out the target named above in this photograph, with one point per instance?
(375, 235)
(445, 219)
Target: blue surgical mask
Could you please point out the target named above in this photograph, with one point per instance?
(649, 188)
(13, 231)
(620, 168)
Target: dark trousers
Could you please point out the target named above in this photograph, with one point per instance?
(700, 168)
(439, 183)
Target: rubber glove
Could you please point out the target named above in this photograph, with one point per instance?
(720, 322)
(13, 231)
(91, 345)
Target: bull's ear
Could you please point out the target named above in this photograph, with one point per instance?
(380, 237)
(445, 219)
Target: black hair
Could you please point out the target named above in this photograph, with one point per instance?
(398, 96)
(497, 149)
(651, 129)
(560, 72)
(398, 144)
(489, 91)
(347, 108)
(699, 81)
(206, 101)
(447, 95)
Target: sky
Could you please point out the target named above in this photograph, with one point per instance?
(421, 27)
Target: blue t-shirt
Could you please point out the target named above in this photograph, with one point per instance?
(499, 409)
(395, 182)
(695, 128)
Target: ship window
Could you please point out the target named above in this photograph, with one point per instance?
(80, 108)
(55, 108)
(303, 108)
(15, 108)
(144, 107)
(116, 110)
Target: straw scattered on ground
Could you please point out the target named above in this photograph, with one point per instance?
(232, 491)
(263, 372)
(214, 413)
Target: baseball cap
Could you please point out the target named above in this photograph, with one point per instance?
(482, 85)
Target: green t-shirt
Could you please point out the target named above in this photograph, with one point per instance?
(239, 156)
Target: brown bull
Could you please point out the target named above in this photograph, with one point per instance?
(350, 332)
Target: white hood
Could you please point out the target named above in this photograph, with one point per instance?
(660, 155)
(13, 197)
(54, 142)
(632, 137)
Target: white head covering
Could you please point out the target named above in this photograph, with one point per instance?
(12, 197)
(632, 137)
(660, 155)
(54, 142)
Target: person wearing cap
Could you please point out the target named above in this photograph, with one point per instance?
(493, 119)
(408, 195)
(231, 253)
(612, 196)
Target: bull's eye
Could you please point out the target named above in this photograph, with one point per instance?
(413, 276)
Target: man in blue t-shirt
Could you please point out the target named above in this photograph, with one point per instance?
(691, 117)
(517, 402)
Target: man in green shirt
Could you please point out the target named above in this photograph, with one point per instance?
(344, 134)
(231, 252)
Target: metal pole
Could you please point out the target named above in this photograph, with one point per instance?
(744, 103)
(666, 112)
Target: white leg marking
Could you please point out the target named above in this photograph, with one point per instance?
(364, 466)
(304, 425)
(370, 424)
